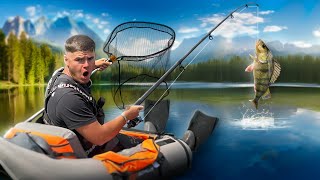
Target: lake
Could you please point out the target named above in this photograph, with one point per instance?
(278, 141)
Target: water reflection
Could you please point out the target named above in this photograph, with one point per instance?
(18, 103)
(287, 142)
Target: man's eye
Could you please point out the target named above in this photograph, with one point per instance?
(90, 58)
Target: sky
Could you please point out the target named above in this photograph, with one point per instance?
(289, 21)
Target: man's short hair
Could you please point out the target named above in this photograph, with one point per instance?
(79, 43)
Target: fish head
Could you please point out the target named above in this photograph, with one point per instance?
(261, 47)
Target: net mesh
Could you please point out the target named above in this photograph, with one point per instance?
(143, 53)
(136, 41)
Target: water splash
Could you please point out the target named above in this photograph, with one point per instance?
(259, 119)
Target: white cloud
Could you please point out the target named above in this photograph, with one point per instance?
(215, 5)
(302, 44)
(188, 30)
(104, 22)
(104, 14)
(88, 16)
(106, 31)
(100, 26)
(316, 33)
(241, 24)
(175, 44)
(96, 20)
(274, 28)
(77, 14)
(11, 18)
(266, 12)
(62, 14)
(31, 10)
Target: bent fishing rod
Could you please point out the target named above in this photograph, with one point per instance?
(137, 120)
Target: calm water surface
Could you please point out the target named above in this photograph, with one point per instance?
(279, 141)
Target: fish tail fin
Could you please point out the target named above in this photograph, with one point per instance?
(266, 95)
(254, 102)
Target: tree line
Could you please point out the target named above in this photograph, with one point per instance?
(23, 61)
(294, 69)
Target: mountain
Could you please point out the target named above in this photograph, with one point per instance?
(17, 25)
(41, 25)
(55, 33)
(223, 48)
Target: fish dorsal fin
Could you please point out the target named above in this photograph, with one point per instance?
(252, 57)
(276, 71)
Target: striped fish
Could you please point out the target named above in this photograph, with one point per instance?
(265, 69)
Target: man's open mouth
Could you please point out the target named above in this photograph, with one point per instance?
(85, 74)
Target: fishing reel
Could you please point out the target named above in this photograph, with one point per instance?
(134, 122)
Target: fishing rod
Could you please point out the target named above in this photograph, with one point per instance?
(137, 120)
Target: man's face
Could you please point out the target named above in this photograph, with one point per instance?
(79, 65)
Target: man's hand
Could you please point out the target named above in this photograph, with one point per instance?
(102, 64)
(132, 112)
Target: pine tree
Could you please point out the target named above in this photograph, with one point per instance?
(3, 57)
(12, 50)
(26, 50)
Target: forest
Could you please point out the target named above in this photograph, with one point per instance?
(26, 62)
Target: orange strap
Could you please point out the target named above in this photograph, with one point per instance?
(139, 135)
(58, 144)
(117, 163)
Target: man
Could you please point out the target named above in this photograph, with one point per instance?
(70, 104)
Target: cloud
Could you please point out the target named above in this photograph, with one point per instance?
(11, 18)
(104, 22)
(104, 14)
(31, 10)
(274, 28)
(62, 14)
(241, 24)
(215, 5)
(302, 44)
(106, 31)
(34, 12)
(188, 30)
(175, 44)
(316, 33)
(96, 20)
(266, 12)
(88, 16)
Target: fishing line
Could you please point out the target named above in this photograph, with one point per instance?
(257, 23)
(183, 69)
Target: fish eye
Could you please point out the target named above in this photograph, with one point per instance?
(264, 46)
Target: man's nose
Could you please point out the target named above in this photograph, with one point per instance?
(86, 62)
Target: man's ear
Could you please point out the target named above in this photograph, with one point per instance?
(65, 58)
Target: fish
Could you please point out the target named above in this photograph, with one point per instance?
(265, 70)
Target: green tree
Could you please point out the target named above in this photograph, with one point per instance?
(3, 57)
(26, 50)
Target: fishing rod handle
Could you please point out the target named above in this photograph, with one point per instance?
(134, 122)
